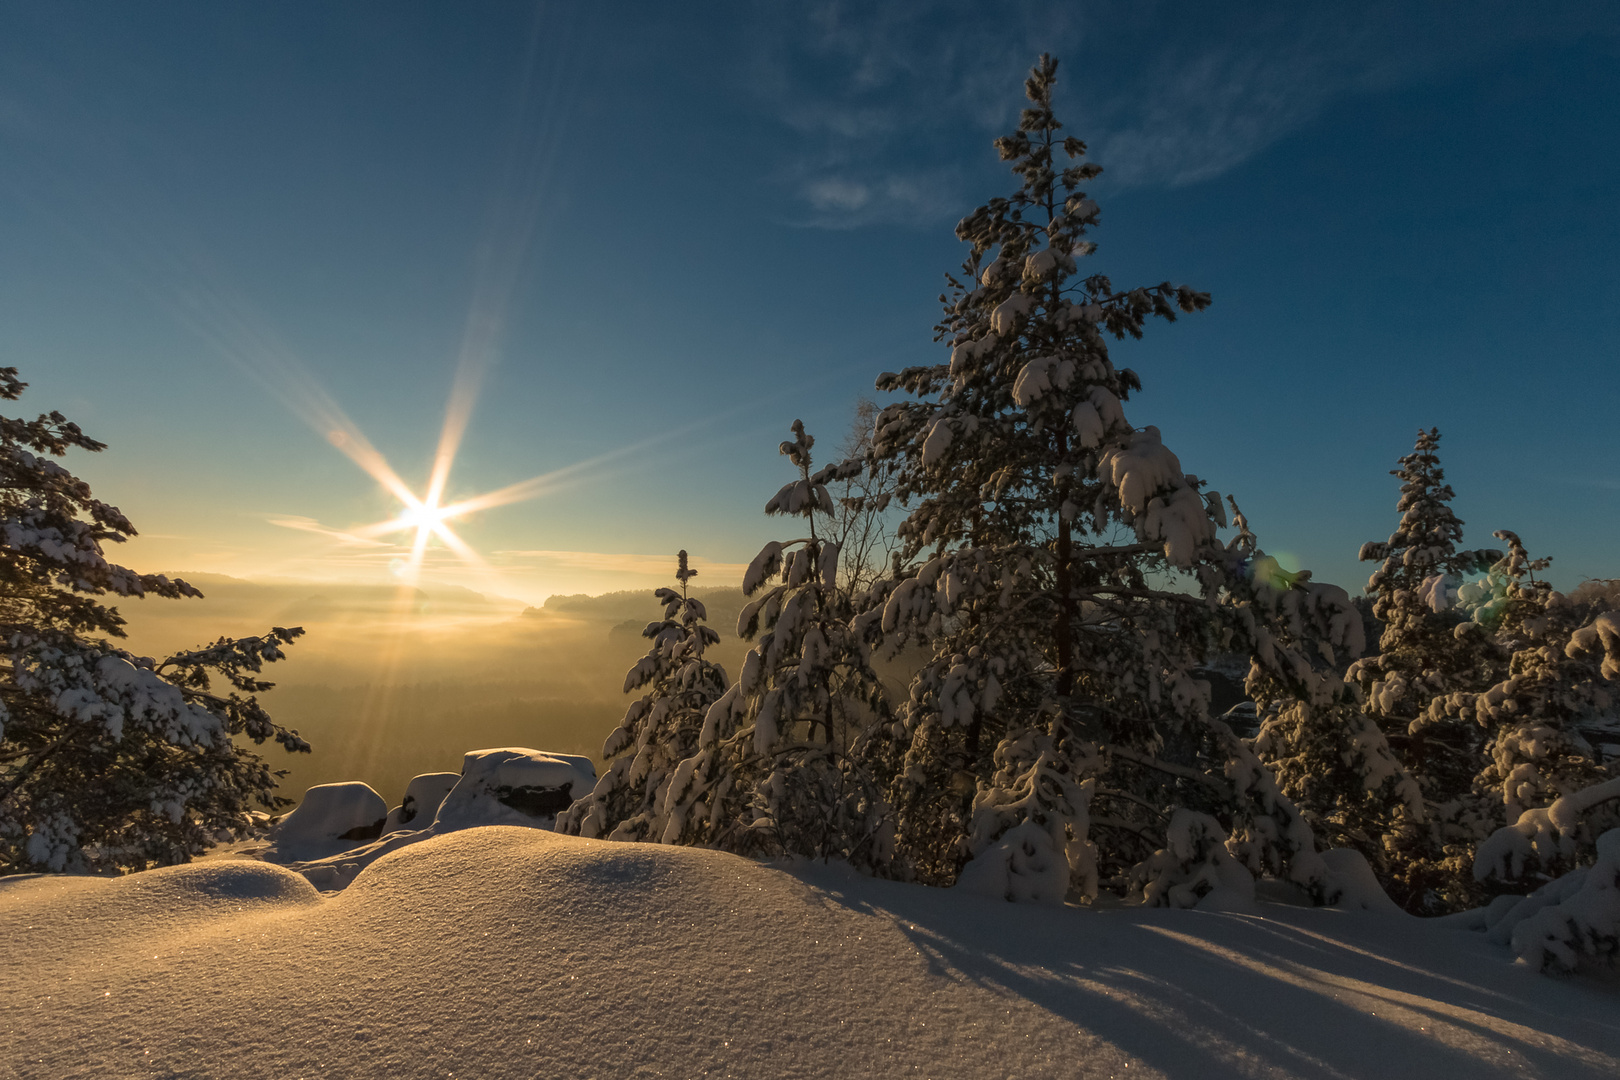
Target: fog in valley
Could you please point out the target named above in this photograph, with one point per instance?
(389, 682)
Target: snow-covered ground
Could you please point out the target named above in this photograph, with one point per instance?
(516, 952)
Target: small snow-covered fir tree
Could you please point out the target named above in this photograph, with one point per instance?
(782, 762)
(1064, 573)
(1421, 556)
(108, 760)
(1572, 921)
(660, 729)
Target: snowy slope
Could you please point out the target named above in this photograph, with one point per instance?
(511, 952)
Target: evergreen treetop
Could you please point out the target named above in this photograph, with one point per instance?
(1420, 567)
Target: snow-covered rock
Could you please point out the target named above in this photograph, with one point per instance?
(332, 816)
(506, 786)
(421, 802)
(514, 786)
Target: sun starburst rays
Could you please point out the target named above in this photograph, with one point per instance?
(426, 520)
(194, 291)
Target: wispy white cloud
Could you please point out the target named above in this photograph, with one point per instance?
(1211, 112)
(884, 97)
(836, 193)
(844, 200)
(310, 525)
(867, 89)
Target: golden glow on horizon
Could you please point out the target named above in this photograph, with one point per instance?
(424, 515)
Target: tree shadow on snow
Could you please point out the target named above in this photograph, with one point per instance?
(1313, 993)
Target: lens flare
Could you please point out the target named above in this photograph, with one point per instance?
(426, 520)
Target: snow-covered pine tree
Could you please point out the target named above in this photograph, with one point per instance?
(1070, 583)
(1428, 649)
(1541, 786)
(1479, 694)
(1422, 654)
(108, 761)
(660, 729)
(1329, 757)
(782, 765)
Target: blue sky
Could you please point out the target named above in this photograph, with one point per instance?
(653, 235)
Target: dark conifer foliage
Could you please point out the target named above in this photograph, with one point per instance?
(784, 759)
(1482, 781)
(1065, 575)
(660, 729)
(109, 761)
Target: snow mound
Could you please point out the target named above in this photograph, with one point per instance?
(331, 816)
(1351, 878)
(172, 898)
(1569, 923)
(516, 952)
(1024, 866)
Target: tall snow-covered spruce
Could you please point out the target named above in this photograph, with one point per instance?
(784, 759)
(1065, 576)
(1428, 649)
(108, 760)
(660, 729)
(1429, 646)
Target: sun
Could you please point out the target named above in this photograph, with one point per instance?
(427, 516)
(427, 519)
(424, 517)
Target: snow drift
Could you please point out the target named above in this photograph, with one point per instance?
(517, 952)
